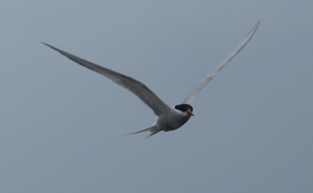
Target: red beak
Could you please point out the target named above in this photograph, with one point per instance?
(190, 113)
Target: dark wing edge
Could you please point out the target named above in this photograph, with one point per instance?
(193, 93)
(134, 86)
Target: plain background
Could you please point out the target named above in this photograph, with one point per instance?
(62, 126)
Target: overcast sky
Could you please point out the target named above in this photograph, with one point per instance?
(62, 125)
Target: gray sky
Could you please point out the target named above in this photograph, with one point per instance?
(62, 125)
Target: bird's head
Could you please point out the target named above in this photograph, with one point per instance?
(185, 108)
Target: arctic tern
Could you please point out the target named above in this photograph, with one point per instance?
(168, 118)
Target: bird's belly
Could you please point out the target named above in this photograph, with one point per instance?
(172, 124)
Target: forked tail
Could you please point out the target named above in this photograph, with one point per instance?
(151, 129)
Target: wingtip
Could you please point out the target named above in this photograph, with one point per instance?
(257, 24)
(253, 30)
(46, 44)
(54, 48)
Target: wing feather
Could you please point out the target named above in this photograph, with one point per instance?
(134, 86)
(190, 97)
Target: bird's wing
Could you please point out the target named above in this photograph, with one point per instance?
(190, 97)
(134, 86)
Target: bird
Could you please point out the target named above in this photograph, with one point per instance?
(169, 118)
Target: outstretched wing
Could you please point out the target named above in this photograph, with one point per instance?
(195, 90)
(134, 86)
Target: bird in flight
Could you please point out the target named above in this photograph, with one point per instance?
(168, 118)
